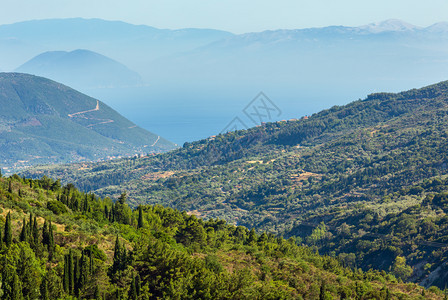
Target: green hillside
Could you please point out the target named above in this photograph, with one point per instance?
(365, 182)
(42, 121)
(59, 243)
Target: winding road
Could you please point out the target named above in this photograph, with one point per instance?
(97, 107)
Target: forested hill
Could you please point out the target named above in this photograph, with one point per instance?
(59, 243)
(371, 173)
(42, 121)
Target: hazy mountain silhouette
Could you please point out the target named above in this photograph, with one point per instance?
(81, 69)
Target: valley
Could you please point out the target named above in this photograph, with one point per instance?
(356, 181)
(224, 150)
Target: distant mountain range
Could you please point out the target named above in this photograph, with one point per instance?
(133, 45)
(42, 121)
(81, 69)
(198, 80)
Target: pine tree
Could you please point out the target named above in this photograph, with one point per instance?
(8, 230)
(140, 217)
(122, 198)
(252, 236)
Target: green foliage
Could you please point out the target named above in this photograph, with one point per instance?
(57, 207)
(174, 255)
(7, 236)
(40, 117)
(400, 269)
(375, 171)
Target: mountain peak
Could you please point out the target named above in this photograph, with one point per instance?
(438, 27)
(389, 25)
(81, 68)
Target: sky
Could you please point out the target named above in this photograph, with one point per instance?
(232, 15)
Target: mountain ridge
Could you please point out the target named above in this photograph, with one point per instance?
(42, 120)
(366, 171)
(61, 243)
(81, 69)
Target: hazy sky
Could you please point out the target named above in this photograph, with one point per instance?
(233, 15)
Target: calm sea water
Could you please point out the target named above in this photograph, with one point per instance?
(189, 114)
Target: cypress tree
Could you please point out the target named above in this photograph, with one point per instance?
(23, 232)
(77, 277)
(132, 291)
(322, 291)
(44, 289)
(10, 186)
(16, 291)
(8, 230)
(84, 267)
(66, 279)
(50, 239)
(112, 213)
(86, 204)
(35, 236)
(140, 217)
(96, 294)
(90, 261)
(71, 274)
(119, 256)
(106, 212)
(45, 234)
(138, 285)
(30, 225)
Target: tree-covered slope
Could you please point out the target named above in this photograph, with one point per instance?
(366, 170)
(60, 243)
(44, 121)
